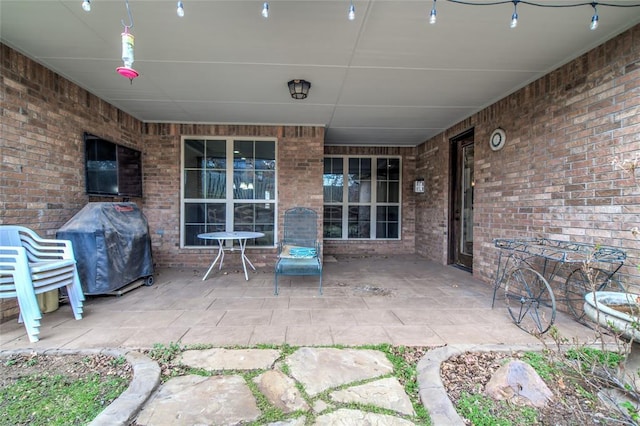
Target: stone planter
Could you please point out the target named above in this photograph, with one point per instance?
(616, 311)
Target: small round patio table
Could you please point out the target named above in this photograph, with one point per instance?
(241, 236)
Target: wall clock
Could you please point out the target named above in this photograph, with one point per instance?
(497, 139)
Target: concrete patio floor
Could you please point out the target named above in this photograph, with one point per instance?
(401, 300)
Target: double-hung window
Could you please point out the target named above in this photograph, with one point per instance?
(228, 184)
(362, 198)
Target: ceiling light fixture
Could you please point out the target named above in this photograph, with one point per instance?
(299, 89)
(432, 14)
(180, 9)
(352, 11)
(127, 49)
(514, 17)
(86, 5)
(265, 10)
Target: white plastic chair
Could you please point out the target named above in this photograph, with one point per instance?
(31, 265)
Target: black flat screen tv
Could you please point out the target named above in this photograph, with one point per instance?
(112, 170)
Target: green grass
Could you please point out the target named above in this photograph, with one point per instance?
(483, 411)
(41, 399)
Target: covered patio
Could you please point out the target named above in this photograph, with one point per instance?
(396, 299)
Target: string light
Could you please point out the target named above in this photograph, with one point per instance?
(432, 14)
(593, 25)
(595, 19)
(514, 17)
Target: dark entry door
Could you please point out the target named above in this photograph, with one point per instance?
(461, 212)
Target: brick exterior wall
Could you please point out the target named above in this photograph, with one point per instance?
(42, 161)
(41, 147)
(299, 167)
(554, 178)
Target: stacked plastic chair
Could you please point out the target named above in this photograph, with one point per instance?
(299, 250)
(31, 265)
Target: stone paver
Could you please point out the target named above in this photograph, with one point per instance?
(198, 400)
(281, 391)
(386, 393)
(298, 421)
(319, 369)
(347, 417)
(230, 359)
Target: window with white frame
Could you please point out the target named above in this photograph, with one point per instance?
(228, 184)
(362, 198)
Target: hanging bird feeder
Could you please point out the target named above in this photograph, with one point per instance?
(127, 49)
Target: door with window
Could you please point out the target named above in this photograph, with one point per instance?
(461, 211)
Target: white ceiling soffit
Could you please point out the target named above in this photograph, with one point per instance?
(386, 78)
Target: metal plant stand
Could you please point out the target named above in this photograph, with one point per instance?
(526, 266)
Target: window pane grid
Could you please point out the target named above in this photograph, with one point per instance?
(220, 198)
(372, 205)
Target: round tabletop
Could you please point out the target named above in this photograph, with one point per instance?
(235, 235)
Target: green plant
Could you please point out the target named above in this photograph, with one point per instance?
(591, 356)
(541, 364)
(118, 361)
(484, 411)
(165, 354)
(632, 410)
(41, 399)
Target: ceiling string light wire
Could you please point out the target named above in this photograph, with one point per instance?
(593, 24)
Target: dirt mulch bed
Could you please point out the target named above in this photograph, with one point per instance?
(471, 371)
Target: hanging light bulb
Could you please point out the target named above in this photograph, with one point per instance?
(352, 12)
(594, 18)
(180, 9)
(514, 17)
(432, 14)
(265, 10)
(86, 5)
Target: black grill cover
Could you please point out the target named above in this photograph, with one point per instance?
(111, 244)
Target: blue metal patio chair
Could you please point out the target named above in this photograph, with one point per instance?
(31, 265)
(299, 249)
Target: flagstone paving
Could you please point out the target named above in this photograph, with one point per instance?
(309, 382)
